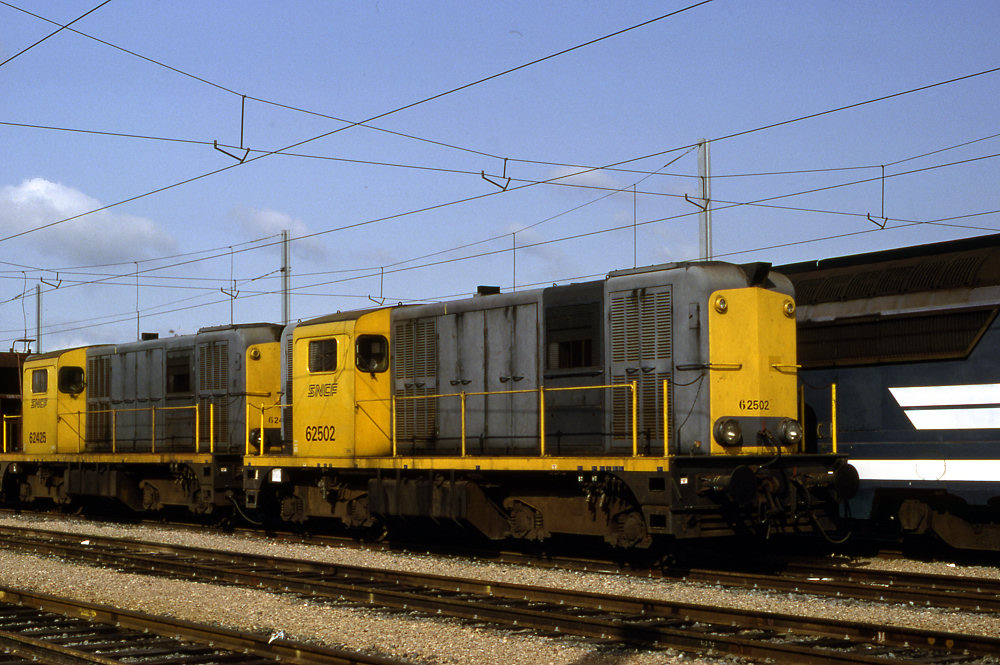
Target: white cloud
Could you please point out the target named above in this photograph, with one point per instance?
(104, 236)
(267, 222)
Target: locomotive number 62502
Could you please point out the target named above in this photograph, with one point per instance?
(320, 433)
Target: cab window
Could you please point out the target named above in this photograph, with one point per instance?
(372, 353)
(323, 355)
(40, 381)
(71, 380)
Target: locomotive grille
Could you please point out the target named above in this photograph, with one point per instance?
(213, 384)
(641, 351)
(98, 434)
(415, 352)
(286, 414)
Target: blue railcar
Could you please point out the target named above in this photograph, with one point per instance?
(911, 341)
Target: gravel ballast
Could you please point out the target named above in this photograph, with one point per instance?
(416, 638)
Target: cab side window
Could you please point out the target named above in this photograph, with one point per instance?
(323, 355)
(372, 353)
(40, 381)
(71, 380)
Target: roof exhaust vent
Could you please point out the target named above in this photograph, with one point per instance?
(487, 290)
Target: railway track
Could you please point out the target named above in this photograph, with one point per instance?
(57, 631)
(645, 622)
(901, 588)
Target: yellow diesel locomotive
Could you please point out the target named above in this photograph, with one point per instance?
(660, 403)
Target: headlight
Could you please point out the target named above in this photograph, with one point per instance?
(728, 432)
(790, 432)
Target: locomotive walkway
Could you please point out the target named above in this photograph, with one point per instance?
(645, 622)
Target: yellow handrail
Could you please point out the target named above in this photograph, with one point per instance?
(263, 437)
(632, 386)
(833, 415)
(666, 418)
(5, 419)
(152, 411)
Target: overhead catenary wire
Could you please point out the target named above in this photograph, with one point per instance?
(588, 170)
(902, 224)
(363, 123)
(724, 205)
(647, 173)
(488, 78)
(371, 119)
(52, 34)
(743, 204)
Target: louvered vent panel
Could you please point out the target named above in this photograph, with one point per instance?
(222, 423)
(617, 330)
(203, 419)
(402, 351)
(651, 416)
(222, 367)
(621, 409)
(213, 386)
(203, 365)
(213, 366)
(415, 353)
(624, 328)
(98, 432)
(664, 328)
(287, 414)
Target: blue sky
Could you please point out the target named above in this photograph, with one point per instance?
(398, 211)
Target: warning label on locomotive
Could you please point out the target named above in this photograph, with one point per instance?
(755, 404)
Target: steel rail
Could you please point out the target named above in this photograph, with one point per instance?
(636, 620)
(914, 589)
(263, 648)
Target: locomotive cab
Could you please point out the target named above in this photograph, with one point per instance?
(54, 402)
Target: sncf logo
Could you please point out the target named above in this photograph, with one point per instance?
(322, 389)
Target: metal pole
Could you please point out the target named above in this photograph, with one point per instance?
(286, 279)
(38, 317)
(705, 216)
